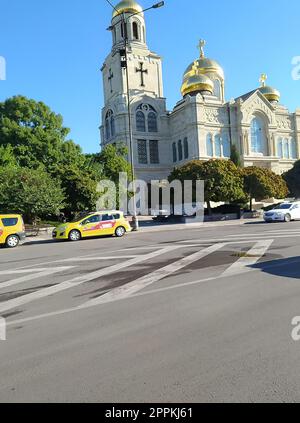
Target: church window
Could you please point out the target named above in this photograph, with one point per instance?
(257, 136)
(146, 113)
(286, 149)
(226, 145)
(112, 126)
(109, 125)
(142, 152)
(217, 88)
(180, 154)
(154, 152)
(186, 148)
(135, 31)
(209, 146)
(152, 122)
(174, 152)
(140, 122)
(280, 148)
(218, 147)
(293, 149)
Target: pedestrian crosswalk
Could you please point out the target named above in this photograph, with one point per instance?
(167, 261)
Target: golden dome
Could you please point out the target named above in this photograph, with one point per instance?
(129, 6)
(204, 66)
(270, 93)
(197, 82)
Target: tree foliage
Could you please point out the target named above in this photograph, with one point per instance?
(222, 179)
(292, 178)
(235, 156)
(31, 192)
(261, 183)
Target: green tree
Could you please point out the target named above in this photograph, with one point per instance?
(31, 192)
(235, 156)
(261, 183)
(292, 178)
(33, 136)
(222, 179)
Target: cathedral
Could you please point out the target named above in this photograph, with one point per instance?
(203, 124)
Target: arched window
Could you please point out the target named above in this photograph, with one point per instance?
(112, 126)
(279, 148)
(258, 140)
(140, 122)
(226, 145)
(209, 145)
(135, 31)
(174, 152)
(180, 154)
(286, 149)
(217, 88)
(152, 122)
(186, 148)
(109, 125)
(293, 149)
(218, 148)
(146, 113)
(107, 129)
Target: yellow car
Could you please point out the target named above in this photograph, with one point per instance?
(92, 225)
(12, 230)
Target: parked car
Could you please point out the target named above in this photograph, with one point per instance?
(12, 230)
(284, 212)
(93, 225)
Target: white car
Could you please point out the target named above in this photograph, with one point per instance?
(285, 212)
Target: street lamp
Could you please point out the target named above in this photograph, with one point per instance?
(124, 64)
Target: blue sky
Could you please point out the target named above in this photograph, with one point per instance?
(54, 50)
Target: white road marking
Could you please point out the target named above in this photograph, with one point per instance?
(150, 292)
(98, 258)
(141, 283)
(253, 256)
(42, 273)
(228, 240)
(72, 283)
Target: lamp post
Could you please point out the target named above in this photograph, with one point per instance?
(124, 64)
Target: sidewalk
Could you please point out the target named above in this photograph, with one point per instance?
(151, 226)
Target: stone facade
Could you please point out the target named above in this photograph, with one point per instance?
(201, 126)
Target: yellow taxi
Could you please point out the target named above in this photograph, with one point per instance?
(12, 230)
(93, 225)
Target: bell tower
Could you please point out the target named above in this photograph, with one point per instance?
(128, 29)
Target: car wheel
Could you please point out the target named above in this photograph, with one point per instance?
(287, 217)
(120, 231)
(74, 235)
(12, 241)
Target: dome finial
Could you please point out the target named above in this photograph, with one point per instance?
(201, 45)
(262, 79)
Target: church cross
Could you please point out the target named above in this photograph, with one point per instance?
(141, 70)
(263, 79)
(111, 75)
(201, 45)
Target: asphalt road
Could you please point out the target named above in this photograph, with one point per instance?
(171, 316)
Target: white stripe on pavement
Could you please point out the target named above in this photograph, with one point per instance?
(33, 276)
(72, 283)
(252, 257)
(150, 292)
(141, 283)
(119, 257)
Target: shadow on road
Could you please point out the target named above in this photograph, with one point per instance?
(287, 267)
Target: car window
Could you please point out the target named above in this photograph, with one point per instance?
(10, 221)
(92, 219)
(284, 207)
(117, 216)
(106, 217)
